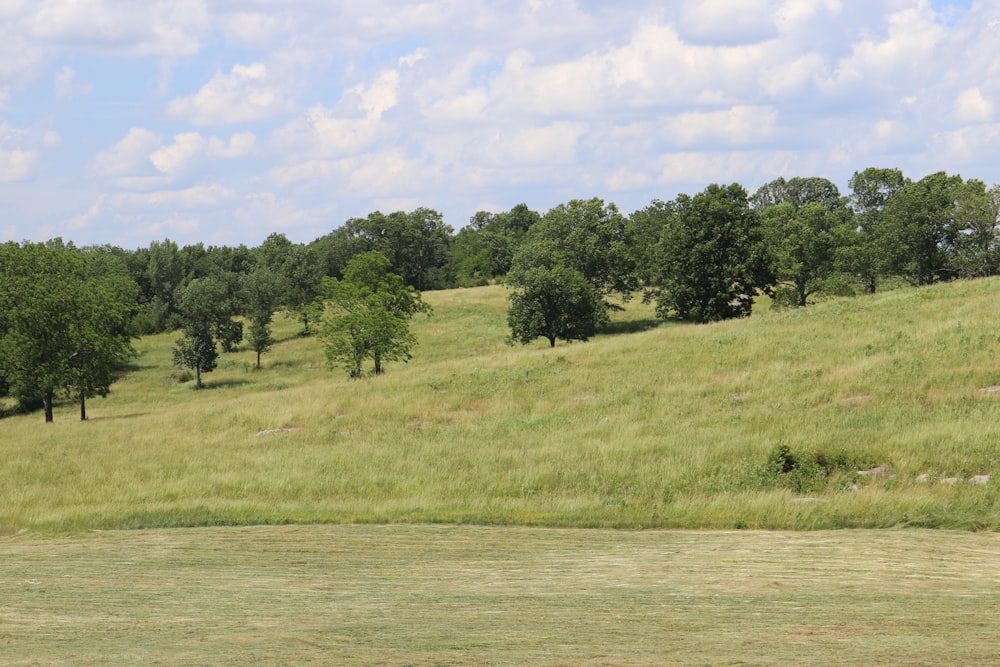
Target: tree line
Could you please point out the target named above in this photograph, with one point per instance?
(67, 314)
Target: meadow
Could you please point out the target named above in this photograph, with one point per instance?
(868, 412)
(474, 595)
(482, 504)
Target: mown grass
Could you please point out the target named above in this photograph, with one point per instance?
(661, 426)
(461, 595)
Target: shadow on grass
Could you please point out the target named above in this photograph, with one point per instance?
(132, 415)
(224, 384)
(630, 326)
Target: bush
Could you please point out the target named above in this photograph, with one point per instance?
(808, 473)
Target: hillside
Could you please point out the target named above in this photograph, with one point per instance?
(763, 422)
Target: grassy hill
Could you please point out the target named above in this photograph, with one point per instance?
(868, 412)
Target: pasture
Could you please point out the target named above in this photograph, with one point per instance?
(488, 504)
(469, 595)
(886, 402)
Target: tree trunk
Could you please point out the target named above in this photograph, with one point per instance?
(47, 402)
(378, 364)
(197, 376)
(258, 359)
(552, 341)
(83, 407)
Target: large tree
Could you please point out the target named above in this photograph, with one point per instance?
(261, 293)
(366, 315)
(860, 253)
(713, 259)
(976, 252)
(594, 239)
(415, 243)
(551, 300)
(207, 322)
(919, 228)
(802, 244)
(64, 323)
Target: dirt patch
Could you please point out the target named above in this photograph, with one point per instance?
(283, 429)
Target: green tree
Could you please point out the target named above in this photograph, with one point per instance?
(64, 326)
(416, 244)
(593, 239)
(977, 245)
(551, 300)
(802, 244)
(262, 293)
(919, 228)
(860, 253)
(207, 322)
(713, 259)
(367, 314)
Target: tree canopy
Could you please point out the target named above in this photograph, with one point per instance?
(366, 315)
(713, 259)
(64, 323)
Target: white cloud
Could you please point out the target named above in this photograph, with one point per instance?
(66, 87)
(379, 97)
(129, 155)
(240, 144)
(153, 27)
(248, 93)
(255, 29)
(972, 107)
(390, 173)
(321, 133)
(170, 159)
(906, 53)
(738, 126)
(16, 165)
(193, 197)
(553, 144)
(728, 20)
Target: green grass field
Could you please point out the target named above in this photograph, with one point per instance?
(651, 425)
(886, 404)
(467, 595)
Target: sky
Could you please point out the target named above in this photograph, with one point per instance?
(223, 121)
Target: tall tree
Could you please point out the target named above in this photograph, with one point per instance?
(262, 292)
(415, 243)
(551, 300)
(713, 259)
(802, 244)
(64, 326)
(367, 314)
(594, 239)
(976, 253)
(861, 252)
(207, 318)
(919, 227)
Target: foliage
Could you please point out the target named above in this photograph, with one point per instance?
(261, 293)
(551, 300)
(485, 248)
(593, 239)
(415, 243)
(802, 244)
(64, 323)
(207, 322)
(977, 246)
(918, 229)
(366, 315)
(713, 259)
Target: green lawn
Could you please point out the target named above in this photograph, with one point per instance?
(465, 595)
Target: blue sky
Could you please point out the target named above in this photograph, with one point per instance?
(221, 121)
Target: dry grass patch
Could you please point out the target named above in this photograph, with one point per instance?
(435, 595)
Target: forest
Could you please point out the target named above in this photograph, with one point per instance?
(68, 314)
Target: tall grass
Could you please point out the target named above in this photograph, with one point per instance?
(667, 425)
